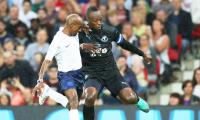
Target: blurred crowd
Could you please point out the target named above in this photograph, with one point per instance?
(164, 29)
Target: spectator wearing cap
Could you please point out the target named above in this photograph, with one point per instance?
(3, 32)
(39, 46)
(188, 98)
(14, 21)
(26, 14)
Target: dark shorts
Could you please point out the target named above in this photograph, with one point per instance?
(71, 79)
(111, 79)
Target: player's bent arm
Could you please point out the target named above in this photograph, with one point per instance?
(43, 69)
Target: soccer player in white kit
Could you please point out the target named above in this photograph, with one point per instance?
(65, 48)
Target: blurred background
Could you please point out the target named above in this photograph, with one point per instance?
(168, 30)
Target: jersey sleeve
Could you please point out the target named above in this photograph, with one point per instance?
(52, 50)
(117, 36)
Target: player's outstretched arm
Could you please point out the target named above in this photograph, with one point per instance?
(130, 47)
(40, 84)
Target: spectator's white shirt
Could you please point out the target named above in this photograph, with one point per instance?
(66, 51)
(197, 91)
(195, 11)
(26, 18)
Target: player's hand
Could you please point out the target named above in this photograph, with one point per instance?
(38, 88)
(88, 47)
(147, 58)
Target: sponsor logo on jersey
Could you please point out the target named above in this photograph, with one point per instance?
(104, 39)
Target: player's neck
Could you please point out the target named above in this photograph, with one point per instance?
(66, 31)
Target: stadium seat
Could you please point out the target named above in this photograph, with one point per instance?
(6, 115)
(113, 115)
(61, 115)
(182, 115)
(152, 115)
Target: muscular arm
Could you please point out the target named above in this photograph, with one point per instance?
(128, 46)
(43, 69)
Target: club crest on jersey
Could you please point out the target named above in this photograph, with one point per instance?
(104, 39)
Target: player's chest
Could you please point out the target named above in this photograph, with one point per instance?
(101, 38)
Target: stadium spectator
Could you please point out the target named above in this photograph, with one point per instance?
(174, 99)
(196, 82)
(161, 43)
(183, 22)
(171, 29)
(4, 10)
(163, 5)
(15, 67)
(35, 25)
(112, 19)
(39, 46)
(62, 13)
(127, 73)
(52, 14)
(4, 99)
(127, 31)
(38, 4)
(9, 45)
(14, 21)
(52, 82)
(188, 98)
(3, 32)
(26, 14)
(122, 12)
(138, 21)
(22, 36)
(103, 9)
(20, 50)
(145, 10)
(42, 17)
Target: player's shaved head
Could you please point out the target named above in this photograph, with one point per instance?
(73, 19)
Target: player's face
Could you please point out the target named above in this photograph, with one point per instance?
(95, 20)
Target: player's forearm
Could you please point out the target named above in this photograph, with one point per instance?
(126, 45)
(43, 69)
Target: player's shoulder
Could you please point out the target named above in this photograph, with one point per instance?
(107, 28)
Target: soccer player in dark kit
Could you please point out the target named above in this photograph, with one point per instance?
(99, 65)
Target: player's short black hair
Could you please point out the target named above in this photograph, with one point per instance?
(91, 9)
(185, 83)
